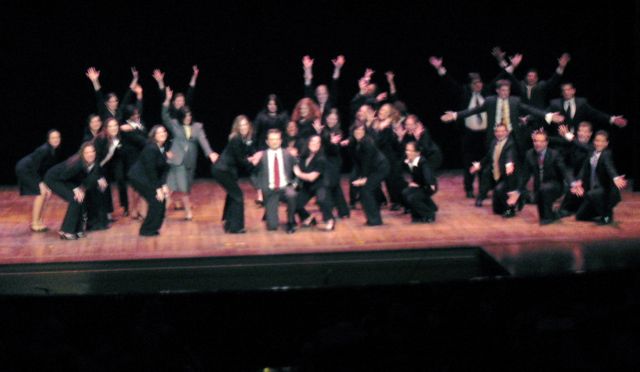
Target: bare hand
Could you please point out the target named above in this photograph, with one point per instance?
(381, 97)
(169, 154)
(126, 128)
(368, 73)
(297, 171)
(168, 93)
(339, 61)
(102, 184)
(475, 167)
(435, 62)
(557, 118)
(419, 131)
(159, 194)
(448, 116)
(620, 182)
(196, 71)
(293, 151)
(344, 143)
(307, 62)
(510, 168)
(255, 158)
(523, 120)
(619, 121)
(359, 182)
(137, 89)
(563, 130)
(44, 189)
(317, 125)
(92, 74)
(512, 198)
(390, 76)
(214, 157)
(577, 190)
(134, 73)
(564, 59)
(336, 138)
(516, 59)
(78, 195)
(498, 53)
(413, 184)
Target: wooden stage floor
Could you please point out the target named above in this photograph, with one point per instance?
(459, 224)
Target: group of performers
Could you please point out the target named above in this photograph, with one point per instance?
(510, 134)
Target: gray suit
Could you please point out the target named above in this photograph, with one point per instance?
(185, 152)
(286, 193)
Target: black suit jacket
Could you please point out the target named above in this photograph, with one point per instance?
(539, 92)
(508, 155)
(424, 176)
(151, 168)
(584, 112)
(309, 92)
(234, 156)
(132, 144)
(553, 169)
(105, 113)
(74, 173)
(605, 173)
(34, 166)
(367, 158)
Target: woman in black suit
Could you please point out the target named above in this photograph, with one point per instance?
(331, 137)
(70, 180)
(272, 116)
(93, 128)
(148, 176)
(30, 172)
(304, 114)
(234, 158)
(370, 168)
(312, 171)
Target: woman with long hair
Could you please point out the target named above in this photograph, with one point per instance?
(30, 172)
(70, 180)
(187, 136)
(148, 176)
(93, 128)
(312, 171)
(305, 114)
(234, 158)
(272, 116)
(331, 137)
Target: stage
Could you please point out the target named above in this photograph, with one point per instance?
(520, 246)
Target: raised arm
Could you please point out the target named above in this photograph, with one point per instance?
(191, 90)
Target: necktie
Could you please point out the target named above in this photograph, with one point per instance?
(594, 163)
(187, 131)
(276, 171)
(496, 159)
(529, 89)
(541, 164)
(506, 120)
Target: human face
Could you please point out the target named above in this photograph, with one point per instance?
(540, 142)
(584, 134)
(568, 92)
(304, 110)
(95, 124)
(113, 128)
(161, 136)
(274, 141)
(188, 119)
(384, 112)
(410, 152)
(244, 127)
(532, 78)
(600, 142)
(371, 89)
(314, 144)
(272, 106)
(476, 86)
(112, 103)
(322, 93)
(359, 133)
(292, 129)
(500, 132)
(135, 116)
(178, 102)
(332, 120)
(410, 124)
(504, 91)
(89, 154)
(54, 139)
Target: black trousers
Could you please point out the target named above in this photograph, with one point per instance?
(419, 201)
(339, 202)
(546, 194)
(72, 222)
(233, 213)
(501, 188)
(473, 149)
(395, 181)
(368, 193)
(98, 204)
(119, 168)
(155, 215)
(323, 198)
(571, 202)
(596, 203)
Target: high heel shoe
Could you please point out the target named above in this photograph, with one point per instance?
(39, 229)
(67, 236)
(330, 225)
(311, 222)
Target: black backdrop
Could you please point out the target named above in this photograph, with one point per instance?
(247, 50)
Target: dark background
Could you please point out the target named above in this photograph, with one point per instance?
(247, 50)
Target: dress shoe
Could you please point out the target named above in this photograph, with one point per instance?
(478, 202)
(309, 222)
(291, 228)
(152, 233)
(604, 220)
(330, 225)
(241, 231)
(509, 213)
(562, 213)
(81, 234)
(547, 221)
(125, 213)
(369, 223)
(470, 195)
(67, 236)
(395, 207)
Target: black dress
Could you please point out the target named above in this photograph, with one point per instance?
(318, 188)
(264, 122)
(31, 169)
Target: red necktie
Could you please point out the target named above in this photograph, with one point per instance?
(276, 171)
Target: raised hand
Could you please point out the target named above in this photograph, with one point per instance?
(400, 131)
(390, 76)
(448, 116)
(564, 59)
(516, 60)
(137, 89)
(168, 92)
(498, 53)
(158, 76)
(368, 73)
(362, 84)
(619, 121)
(381, 97)
(134, 73)
(317, 125)
(196, 71)
(435, 62)
(419, 131)
(336, 138)
(339, 61)
(307, 62)
(93, 74)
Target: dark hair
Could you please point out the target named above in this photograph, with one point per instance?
(305, 150)
(110, 95)
(586, 124)
(501, 125)
(540, 132)
(273, 97)
(473, 76)
(182, 113)
(503, 82)
(274, 130)
(129, 110)
(91, 117)
(602, 133)
(416, 146)
(567, 83)
(52, 130)
(152, 132)
(533, 69)
(84, 146)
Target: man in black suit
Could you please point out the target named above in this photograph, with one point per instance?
(277, 181)
(599, 183)
(575, 110)
(506, 109)
(549, 176)
(421, 186)
(576, 150)
(498, 173)
(324, 96)
(474, 132)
